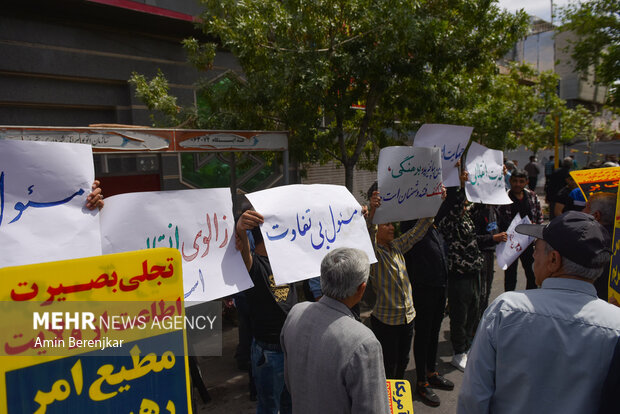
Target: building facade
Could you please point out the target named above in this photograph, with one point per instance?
(546, 49)
(67, 64)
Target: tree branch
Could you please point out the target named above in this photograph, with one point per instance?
(362, 136)
(324, 50)
(189, 120)
(333, 155)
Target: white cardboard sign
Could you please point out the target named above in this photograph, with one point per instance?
(409, 182)
(199, 223)
(507, 252)
(305, 222)
(451, 140)
(486, 176)
(43, 190)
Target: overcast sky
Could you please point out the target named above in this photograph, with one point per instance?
(539, 8)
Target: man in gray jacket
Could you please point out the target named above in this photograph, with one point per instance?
(332, 362)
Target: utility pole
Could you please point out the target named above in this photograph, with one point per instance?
(556, 142)
(551, 1)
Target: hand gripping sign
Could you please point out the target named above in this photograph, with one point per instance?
(507, 252)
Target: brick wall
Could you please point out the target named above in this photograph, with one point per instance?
(333, 173)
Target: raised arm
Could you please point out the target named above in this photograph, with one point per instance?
(375, 202)
(406, 241)
(419, 230)
(248, 220)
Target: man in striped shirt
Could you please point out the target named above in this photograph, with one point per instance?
(393, 313)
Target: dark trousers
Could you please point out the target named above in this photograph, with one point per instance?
(532, 181)
(197, 380)
(430, 303)
(510, 274)
(395, 343)
(463, 297)
(243, 351)
(486, 279)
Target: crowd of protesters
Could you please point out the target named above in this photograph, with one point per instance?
(554, 347)
(317, 356)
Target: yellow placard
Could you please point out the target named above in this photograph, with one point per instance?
(399, 394)
(94, 334)
(597, 180)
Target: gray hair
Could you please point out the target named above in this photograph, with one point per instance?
(567, 162)
(604, 203)
(342, 271)
(574, 269)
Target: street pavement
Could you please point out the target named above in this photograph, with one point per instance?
(228, 386)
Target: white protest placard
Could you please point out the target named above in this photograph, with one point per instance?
(199, 223)
(409, 182)
(486, 176)
(43, 190)
(305, 222)
(507, 252)
(451, 140)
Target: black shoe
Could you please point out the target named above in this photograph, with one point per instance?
(427, 395)
(437, 381)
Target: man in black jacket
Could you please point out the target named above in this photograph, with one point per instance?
(485, 217)
(525, 203)
(427, 268)
(556, 181)
(269, 305)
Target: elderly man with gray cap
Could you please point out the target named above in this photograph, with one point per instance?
(332, 362)
(547, 350)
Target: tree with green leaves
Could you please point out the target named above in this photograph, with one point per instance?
(309, 65)
(516, 108)
(347, 78)
(155, 93)
(309, 68)
(597, 26)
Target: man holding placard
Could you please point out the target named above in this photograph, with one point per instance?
(488, 237)
(269, 305)
(392, 316)
(526, 203)
(464, 264)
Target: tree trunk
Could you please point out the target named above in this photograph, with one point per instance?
(348, 175)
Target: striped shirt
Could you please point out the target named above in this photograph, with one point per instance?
(389, 279)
